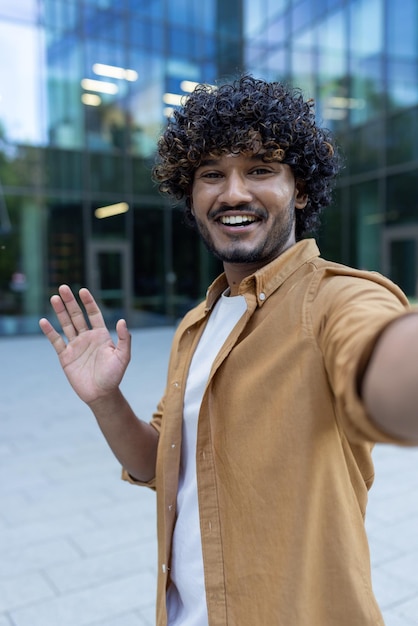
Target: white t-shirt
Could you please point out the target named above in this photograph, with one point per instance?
(186, 598)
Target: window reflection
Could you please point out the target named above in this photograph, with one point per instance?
(366, 46)
(402, 50)
(22, 88)
(24, 9)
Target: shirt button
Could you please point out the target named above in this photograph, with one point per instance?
(262, 296)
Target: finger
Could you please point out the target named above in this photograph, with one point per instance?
(71, 315)
(124, 341)
(63, 316)
(51, 334)
(92, 309)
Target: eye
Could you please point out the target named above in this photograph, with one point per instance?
(261, 170)
(210, 174)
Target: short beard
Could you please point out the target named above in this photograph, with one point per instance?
(262, 254)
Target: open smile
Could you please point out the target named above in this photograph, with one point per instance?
(237, 220)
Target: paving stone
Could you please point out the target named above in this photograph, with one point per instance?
(126, 619)
(390, 591)
(97, 570)
(29, 533)
(392, 618)
(25, 589)
(88, 606)
(18, 561)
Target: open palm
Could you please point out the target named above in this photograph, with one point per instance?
(92, 362)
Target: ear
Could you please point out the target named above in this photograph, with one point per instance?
(301, 198)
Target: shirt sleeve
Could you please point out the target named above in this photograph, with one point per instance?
(156, 423)
(350, 313)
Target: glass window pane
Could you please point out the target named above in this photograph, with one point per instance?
(13, 279)
(65, 248)
(24, 9)
(334, 103)
(151, 8)
(366, 58)
(403, 264)
(367, 222)
(22, 88)
(403, 53)
(333, 234)
(364, 147)
(401, 198)
(401, 139)
(149, 259)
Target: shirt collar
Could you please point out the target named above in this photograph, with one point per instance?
(269, 278)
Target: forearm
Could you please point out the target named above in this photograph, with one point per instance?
(133, 441)
(390, 383)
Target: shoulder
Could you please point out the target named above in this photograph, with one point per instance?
(331, 279)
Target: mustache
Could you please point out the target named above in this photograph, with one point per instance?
(243, 208)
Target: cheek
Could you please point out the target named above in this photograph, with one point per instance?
(200, 200)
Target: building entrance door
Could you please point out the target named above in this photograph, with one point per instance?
(109, 274)
(400, 257)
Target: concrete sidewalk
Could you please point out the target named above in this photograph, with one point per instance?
(77, 545)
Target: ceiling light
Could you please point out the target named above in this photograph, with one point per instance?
(131, 75)
(99, 85)
(340, 102)
(173, 98)
(112, 71)
(168, 111)
(91, 99)
(188, 85)
(111, 210)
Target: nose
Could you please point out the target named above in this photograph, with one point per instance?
(235, 190)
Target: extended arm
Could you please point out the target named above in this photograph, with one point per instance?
(390, 383)
(95, 366)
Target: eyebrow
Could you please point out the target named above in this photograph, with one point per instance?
(215, 161)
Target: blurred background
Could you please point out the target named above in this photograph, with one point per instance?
(85, 89)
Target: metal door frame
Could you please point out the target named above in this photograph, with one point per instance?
(93, 278)
(398, 233)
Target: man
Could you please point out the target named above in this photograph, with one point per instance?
(278, 386)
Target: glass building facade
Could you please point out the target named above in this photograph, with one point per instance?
(359, 60)
(86, 87)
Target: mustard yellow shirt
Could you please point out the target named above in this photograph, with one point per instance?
(284, 446)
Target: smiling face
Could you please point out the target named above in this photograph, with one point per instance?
(245, 209)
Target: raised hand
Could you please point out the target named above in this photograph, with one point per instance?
(93, 364)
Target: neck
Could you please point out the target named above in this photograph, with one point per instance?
(236, 272)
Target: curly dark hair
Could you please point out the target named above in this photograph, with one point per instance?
(249, 115)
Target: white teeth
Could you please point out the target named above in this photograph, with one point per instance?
(237, 219)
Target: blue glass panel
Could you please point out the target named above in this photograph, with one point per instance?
(147, 8)
(179, 12)
(301, 15)
(146, 34)
(367, 50)
(401, 141)
(403, 54)
(104, 24)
